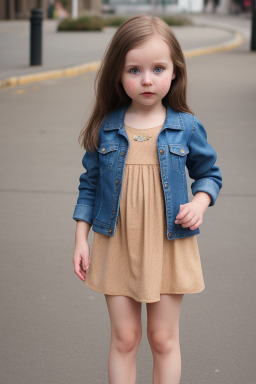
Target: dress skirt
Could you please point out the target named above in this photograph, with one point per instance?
(139, 261)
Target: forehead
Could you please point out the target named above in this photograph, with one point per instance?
(153, 49)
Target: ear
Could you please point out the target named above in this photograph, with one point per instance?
(173, 76)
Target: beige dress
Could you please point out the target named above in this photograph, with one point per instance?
(139, 261)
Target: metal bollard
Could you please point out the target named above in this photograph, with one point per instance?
(253, 36)
(36, 37)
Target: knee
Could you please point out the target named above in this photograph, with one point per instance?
(162, 342)
(127, 340)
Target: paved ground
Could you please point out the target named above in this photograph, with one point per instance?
(54, 329)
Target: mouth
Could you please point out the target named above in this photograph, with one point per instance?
(147, 93)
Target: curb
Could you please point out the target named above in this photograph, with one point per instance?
(93, 66)
(54, 74)
(234, 43)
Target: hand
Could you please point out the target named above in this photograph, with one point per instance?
(81, 259)
(191, 214)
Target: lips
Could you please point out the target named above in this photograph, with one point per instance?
(147, 93)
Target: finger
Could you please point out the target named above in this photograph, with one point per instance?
(81, 274)
(85, 265)
(79, 271)
(196, 225)
(182, 207)
(183, 212)
(185, 219)
(191, 222)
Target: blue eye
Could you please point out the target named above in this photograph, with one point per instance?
(158, 69)
(134, 71)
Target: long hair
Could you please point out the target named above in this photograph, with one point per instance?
(109, 92)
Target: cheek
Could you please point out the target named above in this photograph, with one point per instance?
(165, 83)
(129, 85)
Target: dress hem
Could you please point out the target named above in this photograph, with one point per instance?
(144, 300)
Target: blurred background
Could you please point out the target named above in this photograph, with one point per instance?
(20, 9)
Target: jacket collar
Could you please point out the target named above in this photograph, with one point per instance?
(115, 119)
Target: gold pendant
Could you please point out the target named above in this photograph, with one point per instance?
(141, 137)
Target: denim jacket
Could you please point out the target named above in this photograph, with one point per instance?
(182, 142)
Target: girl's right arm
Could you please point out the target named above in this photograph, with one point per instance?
(84, 208)
(84, 211)
(82, 249)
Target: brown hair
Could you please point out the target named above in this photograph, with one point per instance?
(109, 91)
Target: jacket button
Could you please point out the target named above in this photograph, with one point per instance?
(122, 153)
(103, 150)
(161, 151)
(166, 185)
(110, 230)
(169, 234)
(117, 181)
(113, 212)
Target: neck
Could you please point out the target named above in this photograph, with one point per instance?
(145, 116)
(146, 110)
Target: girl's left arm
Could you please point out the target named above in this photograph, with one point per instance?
(191, 214)
(201, 164)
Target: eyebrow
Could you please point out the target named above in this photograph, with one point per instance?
(155, 63)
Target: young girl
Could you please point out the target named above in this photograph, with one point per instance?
(140, 137)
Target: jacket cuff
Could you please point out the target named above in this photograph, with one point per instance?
(83, 212)
(206, 185)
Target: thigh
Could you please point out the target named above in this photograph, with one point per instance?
(164, 315)
(124, 313)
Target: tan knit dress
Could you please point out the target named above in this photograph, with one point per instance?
(139, 261)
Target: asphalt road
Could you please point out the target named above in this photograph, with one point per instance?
(54, 329)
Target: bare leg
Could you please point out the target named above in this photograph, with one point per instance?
(126, 332)
(163, 336)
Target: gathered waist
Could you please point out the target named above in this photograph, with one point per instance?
(143, 164)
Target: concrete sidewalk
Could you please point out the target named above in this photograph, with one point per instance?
(62, 50)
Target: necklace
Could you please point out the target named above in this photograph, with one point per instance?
(141, 137)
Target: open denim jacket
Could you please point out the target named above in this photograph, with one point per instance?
(181, 142)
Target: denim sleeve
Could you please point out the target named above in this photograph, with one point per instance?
(84, 208)
(201, 163)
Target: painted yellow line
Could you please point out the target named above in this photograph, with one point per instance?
(55, 74)
(234, 43)
(19, 91)
(77, 70)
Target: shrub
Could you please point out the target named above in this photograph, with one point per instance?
(176, 21)
(114, 21)
(172, 21)
(84, 23)
(95, 23)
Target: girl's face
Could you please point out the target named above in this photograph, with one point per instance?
(148, 72)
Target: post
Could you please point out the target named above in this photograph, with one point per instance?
(36, 37)
(75, 7)
(253, 37)
(11, 9)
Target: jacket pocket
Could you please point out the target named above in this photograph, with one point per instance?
(178, 154)
(107, 152)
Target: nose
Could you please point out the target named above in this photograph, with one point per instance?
(146, 80)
